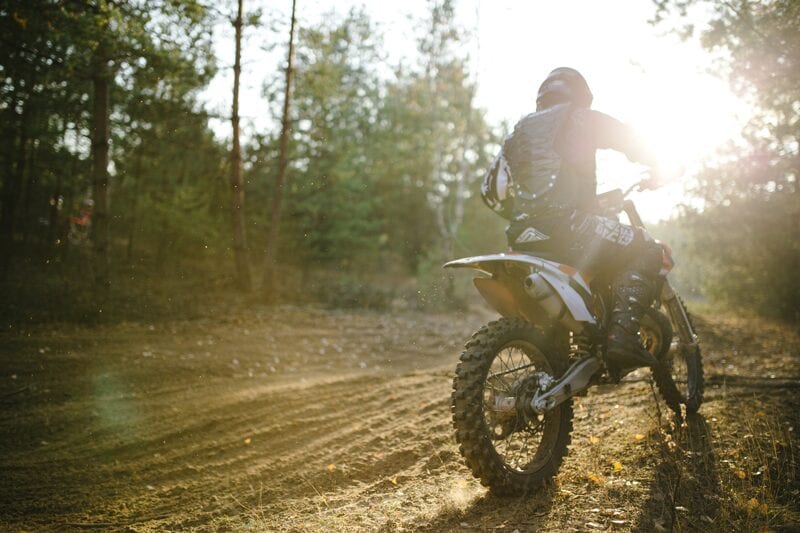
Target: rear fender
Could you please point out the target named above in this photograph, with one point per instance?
(505, 292)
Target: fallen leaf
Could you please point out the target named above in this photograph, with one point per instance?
(248, 440)
(596, 479)
(751, 505)
(331, 467)
(594, 440)
(617, 466)
(740, 474)
(394, 480)
(638, 437)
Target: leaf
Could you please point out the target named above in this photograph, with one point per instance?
(393, 480)
(22, 21)
(617, 466)
(740, 474)
(596, 478)
(248, 440)
(331, 467)
(594, 440)
(638, 437)
(751, 505)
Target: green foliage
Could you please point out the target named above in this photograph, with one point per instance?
(380, 161)
(753, 262)
(384, 160)
(161, 147)
(746, 236)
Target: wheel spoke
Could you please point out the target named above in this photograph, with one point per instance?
(495, 383)
(519, 438)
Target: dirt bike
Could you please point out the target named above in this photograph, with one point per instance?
(514, 384)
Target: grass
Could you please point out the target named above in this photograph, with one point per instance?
(742, 477)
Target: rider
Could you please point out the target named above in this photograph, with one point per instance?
(549, 162)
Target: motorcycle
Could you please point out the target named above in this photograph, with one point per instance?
(514, 384)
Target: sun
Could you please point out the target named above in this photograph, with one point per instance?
(684, 118)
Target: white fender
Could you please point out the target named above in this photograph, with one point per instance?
(557, 276)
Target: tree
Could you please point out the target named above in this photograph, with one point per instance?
(454, 139)
(237, 190)
(746, 237)
(270, 253)
(48, 61)
(35, 106)
(330, 203)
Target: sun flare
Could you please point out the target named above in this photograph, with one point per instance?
(684, 118)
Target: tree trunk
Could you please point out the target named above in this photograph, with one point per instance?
(270, 254)
(11, 189)
(134, 206)
(237, 189)
(450, 217)
(101, 81)
(29, 181)
(55, 202)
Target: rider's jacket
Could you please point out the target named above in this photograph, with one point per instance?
(551, 156)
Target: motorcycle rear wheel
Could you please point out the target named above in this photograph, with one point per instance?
(509, 448)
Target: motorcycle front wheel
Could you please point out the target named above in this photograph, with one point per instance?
(680, 377)
(510, 448)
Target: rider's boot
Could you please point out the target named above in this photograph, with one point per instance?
(633, 293)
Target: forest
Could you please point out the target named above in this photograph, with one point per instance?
(174, 278)
(378, 168)
(373, 187)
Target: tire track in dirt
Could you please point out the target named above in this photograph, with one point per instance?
(355, 438)
(294, 456)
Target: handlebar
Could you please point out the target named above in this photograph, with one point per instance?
(615, 198)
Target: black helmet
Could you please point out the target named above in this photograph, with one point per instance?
(564, 85)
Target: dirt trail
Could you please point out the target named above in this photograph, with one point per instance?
(302, 419)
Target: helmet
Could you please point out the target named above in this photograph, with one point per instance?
(563, 85)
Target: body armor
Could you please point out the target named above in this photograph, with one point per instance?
(532, 157)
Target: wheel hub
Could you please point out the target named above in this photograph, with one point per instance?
(514, 412)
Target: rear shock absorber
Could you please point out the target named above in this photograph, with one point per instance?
(580, 346)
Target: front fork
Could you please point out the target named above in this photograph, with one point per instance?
(679, 317)
(677, 312)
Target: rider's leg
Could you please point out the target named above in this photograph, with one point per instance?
(633, 292)
(632, 260)
(615, 251)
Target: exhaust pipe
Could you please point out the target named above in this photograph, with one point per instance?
(540, 290)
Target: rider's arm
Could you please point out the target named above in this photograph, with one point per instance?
(609, 132)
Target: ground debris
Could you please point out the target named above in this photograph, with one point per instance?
(317, 442)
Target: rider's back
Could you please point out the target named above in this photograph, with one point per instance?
(551, 155)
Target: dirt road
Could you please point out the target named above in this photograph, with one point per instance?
(311, 420)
